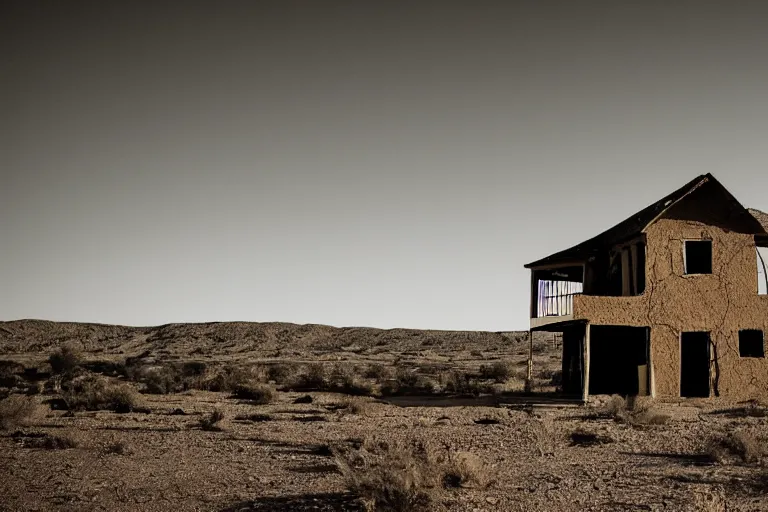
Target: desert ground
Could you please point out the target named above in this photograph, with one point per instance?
(247, 416)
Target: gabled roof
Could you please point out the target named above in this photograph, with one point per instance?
(637, 223)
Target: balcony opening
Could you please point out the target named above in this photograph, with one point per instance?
(554, 290)
(618, 272)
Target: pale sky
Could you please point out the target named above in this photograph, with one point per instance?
(350, 163)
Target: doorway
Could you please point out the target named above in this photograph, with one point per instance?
(694, 364)
(619, 360)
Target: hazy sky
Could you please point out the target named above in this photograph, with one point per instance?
(351, 163)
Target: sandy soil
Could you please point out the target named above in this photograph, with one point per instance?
(170, 463)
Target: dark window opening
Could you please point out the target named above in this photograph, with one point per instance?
(698, 257)
(751, 343)
(694, 364)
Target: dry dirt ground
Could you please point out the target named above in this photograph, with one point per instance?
(160, 458)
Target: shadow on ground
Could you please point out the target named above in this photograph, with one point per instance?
(306, 502)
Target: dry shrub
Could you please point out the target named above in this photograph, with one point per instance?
(405, 475)
(356, 406)
(464, 384)
(230, 376)
(65, 359)
(16, 410)
(211, 421)
(740, 444)
(377, 371)
(499, 371)
(408, 382)
(465, 469)
(395, 476)
(94, 393)
(256, 393)
(635, 411)
(281, 373)
(344, 379)
(119, 448)
(311, 377)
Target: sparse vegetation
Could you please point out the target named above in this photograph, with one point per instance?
(16, 410)
(118, 448)
(408, 381)
(637, 411)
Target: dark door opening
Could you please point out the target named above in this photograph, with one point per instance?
(694, 364)
(618, 360)
(573, 359)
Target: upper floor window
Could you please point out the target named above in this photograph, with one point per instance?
(698, 256)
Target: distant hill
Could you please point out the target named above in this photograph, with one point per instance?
(239, 339)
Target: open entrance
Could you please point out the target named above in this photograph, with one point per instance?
(694, 364)
(619, 358)
(573, 359)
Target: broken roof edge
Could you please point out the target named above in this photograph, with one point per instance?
(628, 228)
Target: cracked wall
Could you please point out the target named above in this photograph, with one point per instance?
(722, 303)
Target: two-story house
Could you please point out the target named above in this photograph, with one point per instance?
(670, 302)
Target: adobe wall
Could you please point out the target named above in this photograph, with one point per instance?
(722, 303)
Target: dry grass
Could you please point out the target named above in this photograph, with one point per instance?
(16, 410)
(356, 406)
(635, 411)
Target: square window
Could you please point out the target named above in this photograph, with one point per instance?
(751, 343)
(698, 256)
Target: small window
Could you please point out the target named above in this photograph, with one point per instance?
(698, 256)
(751, 343)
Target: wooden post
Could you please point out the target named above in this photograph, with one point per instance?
(585, 391)
(529, 377)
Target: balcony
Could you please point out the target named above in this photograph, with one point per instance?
(552, 294)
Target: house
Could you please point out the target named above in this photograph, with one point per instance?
(671, 302)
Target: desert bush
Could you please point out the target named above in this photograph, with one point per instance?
(211, 421)
(635, 411)
(356, 406)
(229, 377)
(16, 410)
(162, 380)
(281, 373)
(256, 393)
(464, 384)
(465, 469)
(406, 382)
(93, 393)
(498, 371)
(377, 372)
(65, 359)
(741, 444)
(118, 448)
(405, 475)
(394, 476)
(343, 379)
(312, 377)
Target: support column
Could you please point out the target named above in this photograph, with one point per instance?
(585, 390)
